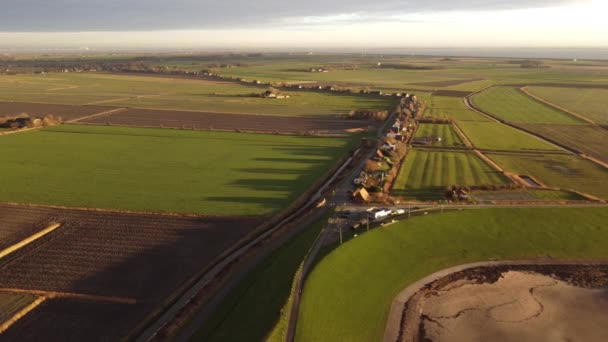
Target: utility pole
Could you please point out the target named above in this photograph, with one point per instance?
(340, 234)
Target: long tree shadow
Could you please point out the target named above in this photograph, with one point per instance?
(129, 256)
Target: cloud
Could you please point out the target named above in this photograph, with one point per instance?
(143, 15)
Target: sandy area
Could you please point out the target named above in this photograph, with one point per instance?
(520, 306)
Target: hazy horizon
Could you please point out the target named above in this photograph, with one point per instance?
(271, 24)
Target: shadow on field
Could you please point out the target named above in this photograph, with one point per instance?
(131, 256)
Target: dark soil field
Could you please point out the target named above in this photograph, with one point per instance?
(227, 122)
(452, 93)
(447, 83)
(588, 139)
(17, 223)
(68, 319)
(66, 112)
(131, 256)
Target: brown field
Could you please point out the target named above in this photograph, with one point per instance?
(67, 319)
(227, 122)
(66, 112)
(19, 223)
(448, 83)
(452, 93)
(588, 139)
(134, 256)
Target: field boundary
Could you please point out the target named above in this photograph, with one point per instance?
(396, 317)
(91, 297)
(108, 112)
(550, 104)
(20, 314)
(540, 136)
(28, 240)
(128, 212)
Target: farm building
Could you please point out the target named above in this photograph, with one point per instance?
(361, 195)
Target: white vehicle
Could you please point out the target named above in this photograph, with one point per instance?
(399, 212)
(381, 214)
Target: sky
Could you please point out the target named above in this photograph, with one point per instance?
(97, 24)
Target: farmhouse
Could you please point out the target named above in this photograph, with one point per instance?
(273, 93)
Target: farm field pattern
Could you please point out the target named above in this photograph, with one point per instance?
(512, 105)
(174, 93)
(565, 171)
(425, 174)
(173, 177)
(589, 102)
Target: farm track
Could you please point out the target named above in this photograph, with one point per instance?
(126, 265)
(96, 115)
(226, 122)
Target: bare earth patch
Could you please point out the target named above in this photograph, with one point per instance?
(520, 306)
(516, 303)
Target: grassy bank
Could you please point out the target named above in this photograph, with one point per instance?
(348, 295)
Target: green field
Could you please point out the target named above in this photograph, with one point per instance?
(512, 105)
(447, 107)
(555, 195)
(447, 133)
(563, 171)
(11, 303)
(163, 170)
(588, 139)
(518, 195)
(497, 136)
(589, 102)
(174, 93)
(252, 309)
(348, 295)
(426, 174)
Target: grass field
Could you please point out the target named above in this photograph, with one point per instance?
(452, 108)
(253, 308)
(425, 174)
(174, 93)
(588, 139)
(564, 171)
(447, 133)
(512, 105)
(348, 295)
(497, 136)
(589, 102)
(163, 170)
(11, 303)
(555, 195)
